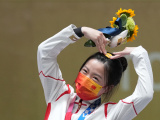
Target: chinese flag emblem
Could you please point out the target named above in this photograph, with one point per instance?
(93, 87)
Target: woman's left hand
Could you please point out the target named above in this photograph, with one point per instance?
(126, 51)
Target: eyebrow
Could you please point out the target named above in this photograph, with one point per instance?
(94, 73)
(98, 75)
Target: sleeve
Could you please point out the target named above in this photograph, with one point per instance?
(129, 107)
(49, 72)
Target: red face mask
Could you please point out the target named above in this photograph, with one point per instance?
(86, 88)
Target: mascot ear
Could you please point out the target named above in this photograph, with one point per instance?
(118, 39)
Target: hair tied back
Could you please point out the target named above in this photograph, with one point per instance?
(123, 62)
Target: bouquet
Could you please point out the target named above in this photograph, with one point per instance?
(123, 29)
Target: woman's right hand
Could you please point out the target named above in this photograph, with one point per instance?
(97, 37)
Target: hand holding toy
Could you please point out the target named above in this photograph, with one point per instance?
(122, 30)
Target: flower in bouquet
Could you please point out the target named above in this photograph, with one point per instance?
(123, 29)
(128, 23)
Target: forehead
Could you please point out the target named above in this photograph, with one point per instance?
(95, 66)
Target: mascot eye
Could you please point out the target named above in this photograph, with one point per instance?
(118, 44)
(119, 41)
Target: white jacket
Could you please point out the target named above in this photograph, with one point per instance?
(58, 95)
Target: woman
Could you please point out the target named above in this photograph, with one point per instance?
(98, 75)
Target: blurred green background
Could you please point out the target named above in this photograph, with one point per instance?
(24, 24)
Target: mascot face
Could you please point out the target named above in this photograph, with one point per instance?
(118, 39)
(121, 41)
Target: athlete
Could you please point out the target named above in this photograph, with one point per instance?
(98, 76)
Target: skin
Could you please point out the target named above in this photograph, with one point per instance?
(97, 37)
(126, 51)
(94, 70)
(100, 41)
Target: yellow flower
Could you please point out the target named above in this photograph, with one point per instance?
(129, 12)
(112, 22)
(134, 34)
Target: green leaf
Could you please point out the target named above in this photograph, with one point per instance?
(124, 19)
(90, 43)
(127, 14)
(131, 32)
(123, 28)
(115, 26)
(128, 35)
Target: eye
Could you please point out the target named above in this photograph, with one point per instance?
(95, 78)
(84, 70)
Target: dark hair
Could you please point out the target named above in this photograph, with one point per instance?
(113, 69)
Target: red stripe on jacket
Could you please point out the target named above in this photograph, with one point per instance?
(66, 92)
(132, 105)
(49, 76)
(48, 111)
(105, 108)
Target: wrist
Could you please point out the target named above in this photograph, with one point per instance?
(84, 30)
(78, 32)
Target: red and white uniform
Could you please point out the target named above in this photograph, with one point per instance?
(58, 95)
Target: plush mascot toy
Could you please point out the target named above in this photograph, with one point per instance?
(122, 30)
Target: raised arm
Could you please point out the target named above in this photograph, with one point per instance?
(49, 72)
(134, 104)
(144, 90)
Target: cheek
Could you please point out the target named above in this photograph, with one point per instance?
(101, 91)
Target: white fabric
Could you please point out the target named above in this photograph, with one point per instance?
(54, 85)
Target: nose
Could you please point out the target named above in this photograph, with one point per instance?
(89, 76)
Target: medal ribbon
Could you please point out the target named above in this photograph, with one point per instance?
(90, 109)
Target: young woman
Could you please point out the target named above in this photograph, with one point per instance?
(98, 76)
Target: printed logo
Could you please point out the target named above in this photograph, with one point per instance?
(93, 87)
(73, 38)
